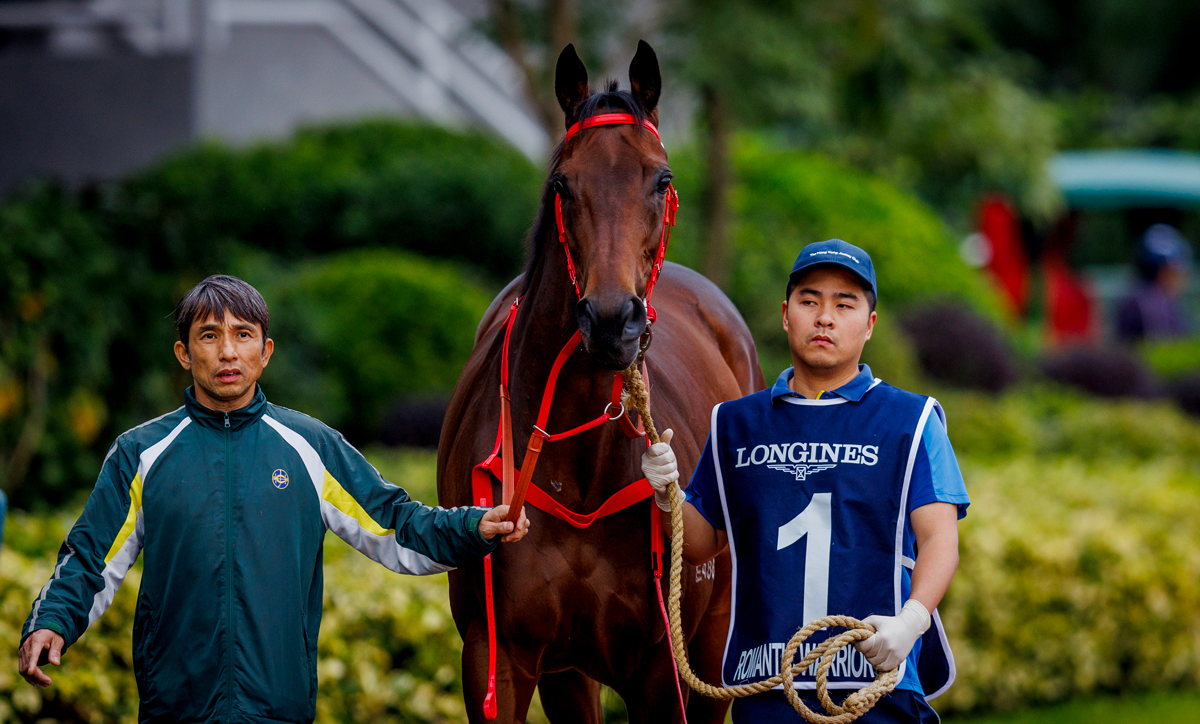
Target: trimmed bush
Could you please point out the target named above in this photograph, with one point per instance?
(1080, 574)
(960, 348)
(449, 194)
(356, 331)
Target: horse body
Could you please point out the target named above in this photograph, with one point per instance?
(578, 606)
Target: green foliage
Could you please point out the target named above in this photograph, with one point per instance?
(355, 331)
(784, 200)
(88, 280)
(918, 92)
(1080, 575)
(57, 324)
(1172, 358)
(1076, 577)
(1160, 707)
(441, 193)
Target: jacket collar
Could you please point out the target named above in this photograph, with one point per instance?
(852, 390)
(216, 419)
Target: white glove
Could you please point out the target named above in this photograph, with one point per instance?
(661, 470)
(894, 635)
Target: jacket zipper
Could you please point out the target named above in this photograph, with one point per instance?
(228, 576)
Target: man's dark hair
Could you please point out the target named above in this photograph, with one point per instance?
(216, 295)
(795, 282)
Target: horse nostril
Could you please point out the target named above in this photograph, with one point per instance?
(585, 315)
(633, 312)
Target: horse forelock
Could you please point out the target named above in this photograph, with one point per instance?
(545, 230)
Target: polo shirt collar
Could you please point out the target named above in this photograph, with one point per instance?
(852, 390)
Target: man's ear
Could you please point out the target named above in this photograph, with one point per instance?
(181, 354)
(871, 324)
(785, 319)
(268, 350)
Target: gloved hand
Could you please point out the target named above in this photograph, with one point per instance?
(894, 635)
(661, 470)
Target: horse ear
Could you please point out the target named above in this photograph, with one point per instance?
(570, 81)
(644, 78)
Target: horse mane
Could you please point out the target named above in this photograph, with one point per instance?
(611, 100)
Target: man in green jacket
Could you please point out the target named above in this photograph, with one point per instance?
(228, 499)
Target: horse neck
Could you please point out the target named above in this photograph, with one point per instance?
(546, 321)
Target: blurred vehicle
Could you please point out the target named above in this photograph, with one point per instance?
(1115, 263)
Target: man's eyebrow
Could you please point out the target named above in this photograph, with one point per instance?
(810, 290)
(846, 295)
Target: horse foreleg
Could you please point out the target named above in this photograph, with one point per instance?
(516, 679)
(571, 696)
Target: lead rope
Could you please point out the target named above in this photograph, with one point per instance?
(855, 705)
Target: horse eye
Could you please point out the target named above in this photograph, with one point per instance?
(560, 186)
(664, 183)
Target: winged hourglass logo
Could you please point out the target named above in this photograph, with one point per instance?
(801, 471)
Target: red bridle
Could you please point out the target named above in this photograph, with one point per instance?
(672, 205)
(517, 484)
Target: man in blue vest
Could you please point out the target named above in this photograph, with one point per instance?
(228, 500)
(836, 494)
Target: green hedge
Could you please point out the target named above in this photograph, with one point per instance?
(784, 200)
(358, 330)
(88, 280)
(1080, 575)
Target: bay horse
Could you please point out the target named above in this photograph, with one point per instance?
(575, 608)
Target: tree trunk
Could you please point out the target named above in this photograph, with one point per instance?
(717, 177)
(539, 81)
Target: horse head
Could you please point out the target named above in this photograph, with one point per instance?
(613, 184)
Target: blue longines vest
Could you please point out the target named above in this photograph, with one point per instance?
(814, 494)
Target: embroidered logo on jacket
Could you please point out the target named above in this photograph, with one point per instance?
(280, 479)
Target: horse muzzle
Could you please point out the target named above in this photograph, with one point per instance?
(611, 332)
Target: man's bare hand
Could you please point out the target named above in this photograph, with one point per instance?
(494, 524)
(31, 651)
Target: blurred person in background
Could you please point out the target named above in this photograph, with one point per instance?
(228, 500)
(1154, 309)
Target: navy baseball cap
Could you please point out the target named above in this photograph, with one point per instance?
(838, 253)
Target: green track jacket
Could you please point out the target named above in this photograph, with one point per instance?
(229, 512)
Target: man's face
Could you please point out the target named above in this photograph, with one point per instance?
(827, 319)
(226, 357)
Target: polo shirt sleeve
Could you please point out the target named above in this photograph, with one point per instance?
(702, 491)
(935, 475)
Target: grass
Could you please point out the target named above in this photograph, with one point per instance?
(1158, 708)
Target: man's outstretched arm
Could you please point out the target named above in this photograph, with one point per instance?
(381, 521)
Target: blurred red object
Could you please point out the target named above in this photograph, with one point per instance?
(1007, 262)
(1070, 309)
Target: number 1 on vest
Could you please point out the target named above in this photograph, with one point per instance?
(816, 522)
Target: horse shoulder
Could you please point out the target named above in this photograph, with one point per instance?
(686, 288)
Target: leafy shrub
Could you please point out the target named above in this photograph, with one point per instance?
(958, 347)
(58, 322)
(1103, 371)
(783, 200)
(88, 280)
(358, 330)
(442, 193)
(1076, 578)
(1172, 358)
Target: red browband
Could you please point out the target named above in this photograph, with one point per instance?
(610, 119)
